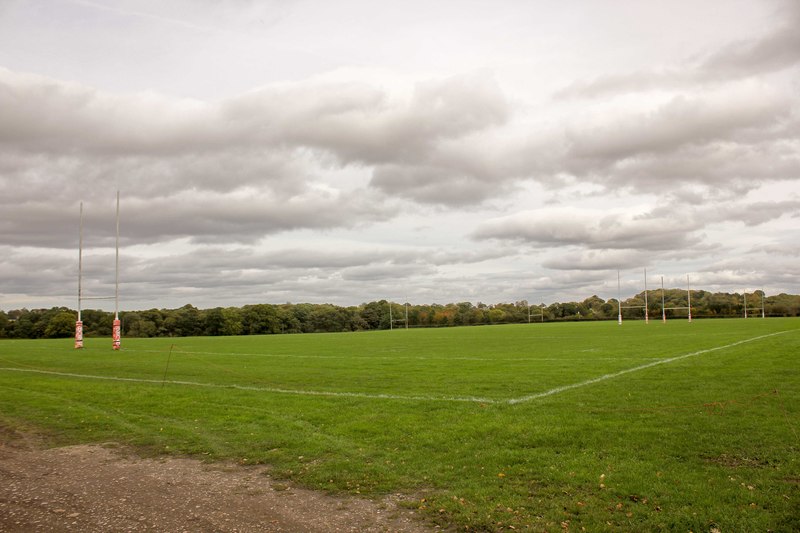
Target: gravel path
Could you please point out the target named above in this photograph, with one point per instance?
(106, 488)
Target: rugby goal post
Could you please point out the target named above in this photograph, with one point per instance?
(400, 320)
(116, 329)
(756, 309)
(688, 300)
(620, 307)
(531, 316)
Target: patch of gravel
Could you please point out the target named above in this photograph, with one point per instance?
(92, 488)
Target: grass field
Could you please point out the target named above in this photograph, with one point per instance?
(551, 427)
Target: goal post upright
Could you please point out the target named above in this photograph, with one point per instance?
(663, 308)
(116, 267)
(646, 312)
(619, 301)
(620, 307)
(392, 319)
(689, 296)
(745, 302)
(79, 322)
(116, 330)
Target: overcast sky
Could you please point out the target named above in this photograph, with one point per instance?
(350, 151)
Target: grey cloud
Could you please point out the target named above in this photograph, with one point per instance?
(574, 284)
(756, 272)
(588, 240)
(774, 52)
(360, 124)
(446, 257)
(205, 274)
(710, 139)
(351, 264)
(777, 50)
(756, 213)
(423, 151)
(65, 140)
(437, 185)
(200, 217)
(211, 218)
(24, 177)
(45, 115)
(750, 213)
(385, 272)
(697, 173)
(37, 273)
(782, 244)
(723, 144)
(610, 84)
(597, 259)
(356, 122)
(595, 230)
(680, 122)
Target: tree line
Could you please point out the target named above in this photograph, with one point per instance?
(264, 319)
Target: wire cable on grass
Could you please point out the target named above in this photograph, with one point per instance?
(169, 356)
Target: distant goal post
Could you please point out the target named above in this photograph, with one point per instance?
(756, 309)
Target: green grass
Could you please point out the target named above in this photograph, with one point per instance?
(700, 442)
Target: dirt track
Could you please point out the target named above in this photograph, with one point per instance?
(105, 488)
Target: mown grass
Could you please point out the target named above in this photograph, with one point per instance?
(707, 441)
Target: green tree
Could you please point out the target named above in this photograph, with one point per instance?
(214, 322)
(96, 323)
(496, 315)
(260, 319)
(188, 321)
(4, 324)
(232, 321)
(25, 326)
(61, 325)
(372, 314)
(136, 325)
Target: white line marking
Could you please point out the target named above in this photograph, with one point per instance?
(634, 369)
(472, 399)
(297, 392)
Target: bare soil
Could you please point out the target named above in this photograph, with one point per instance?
(108, 488)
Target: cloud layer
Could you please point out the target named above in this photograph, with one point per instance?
(430, 165)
